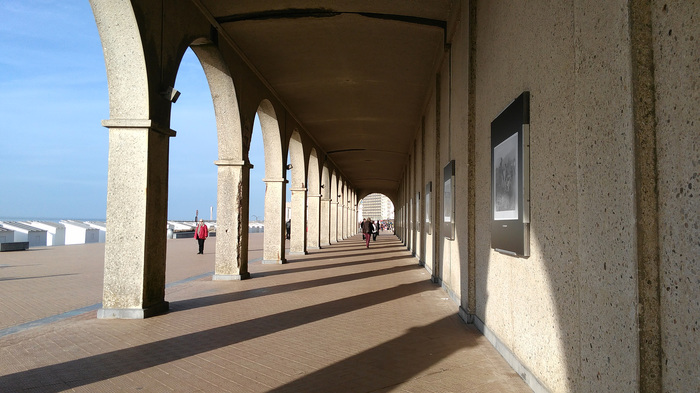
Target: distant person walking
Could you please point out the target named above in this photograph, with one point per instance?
(367, 230)
(201, 233)
(375, 230)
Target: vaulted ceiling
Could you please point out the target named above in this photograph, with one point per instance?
(356, 74)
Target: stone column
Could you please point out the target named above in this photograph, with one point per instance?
(313, 240)
(298, 216)
(325, 221)
(137, 210)
(232, 221)
(334, 221)
(345, 217)
(341, 220)
(273, 252)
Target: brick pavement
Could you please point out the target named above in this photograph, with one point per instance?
(340, 319)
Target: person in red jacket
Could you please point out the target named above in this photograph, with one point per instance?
(201, 233)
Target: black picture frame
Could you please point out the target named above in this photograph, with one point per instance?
(510, 178)
(448, 198)
(428, 208)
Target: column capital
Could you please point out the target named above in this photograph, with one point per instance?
(298, 189)
(280, 180)
(229, 163)
(313, 196)
(138, 123)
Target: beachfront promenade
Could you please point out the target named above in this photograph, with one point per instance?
(340, 319)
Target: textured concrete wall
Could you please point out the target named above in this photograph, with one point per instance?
(569, 312)
(531, 304)
(676, 32)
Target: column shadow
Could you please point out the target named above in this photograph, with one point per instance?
(388, 364)
(92, 369)
(328, 266)
(207, 301)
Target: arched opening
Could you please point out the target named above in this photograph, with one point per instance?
(313, 197)
(297, 188)
(228, 211)
(192, 178)
(256, 157)
(334, 207)
(275, 190)
(325, 206)
(378, 208)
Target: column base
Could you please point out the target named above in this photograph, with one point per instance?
(298, 253)
(133, 313)
(273, 261)
(230, 277)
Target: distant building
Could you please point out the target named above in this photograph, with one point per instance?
(377, 207)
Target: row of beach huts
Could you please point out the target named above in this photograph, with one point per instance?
(18, 235)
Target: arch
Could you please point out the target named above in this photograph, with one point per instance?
(313, 200)
(274, 235)
(314, 175)
(223, 94)
(231, 260)
(325, 182)
(127, 76)
(274, 161)
(296, 156)
(334, 207)
(325, 206)
(298, 214)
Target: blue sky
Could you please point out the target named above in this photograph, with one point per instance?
(53, 97)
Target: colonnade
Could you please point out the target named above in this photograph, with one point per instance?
(141, 66)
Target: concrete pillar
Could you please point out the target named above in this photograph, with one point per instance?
(298, 216)
(344, 210)
(325, 221)
(137, 201)
(313, 240)
(232, 221)
(274, 235)
(334, 221)
(342, 221)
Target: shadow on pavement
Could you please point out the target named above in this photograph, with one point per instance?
(91, 369)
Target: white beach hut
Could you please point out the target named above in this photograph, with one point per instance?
(56, 232)
(6, 235)
(80, 233)
(179, 226)
(27, 233)
(101, 226)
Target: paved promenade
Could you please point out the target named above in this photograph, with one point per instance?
(341, 319)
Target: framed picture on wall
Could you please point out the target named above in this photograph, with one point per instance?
(510, 178)
(448, 206)
(428, 207)
(418, 219)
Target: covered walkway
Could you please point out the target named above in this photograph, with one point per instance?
(344, 318)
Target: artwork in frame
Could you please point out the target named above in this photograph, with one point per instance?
(428, 208)
(448, 205)
(510, 178)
